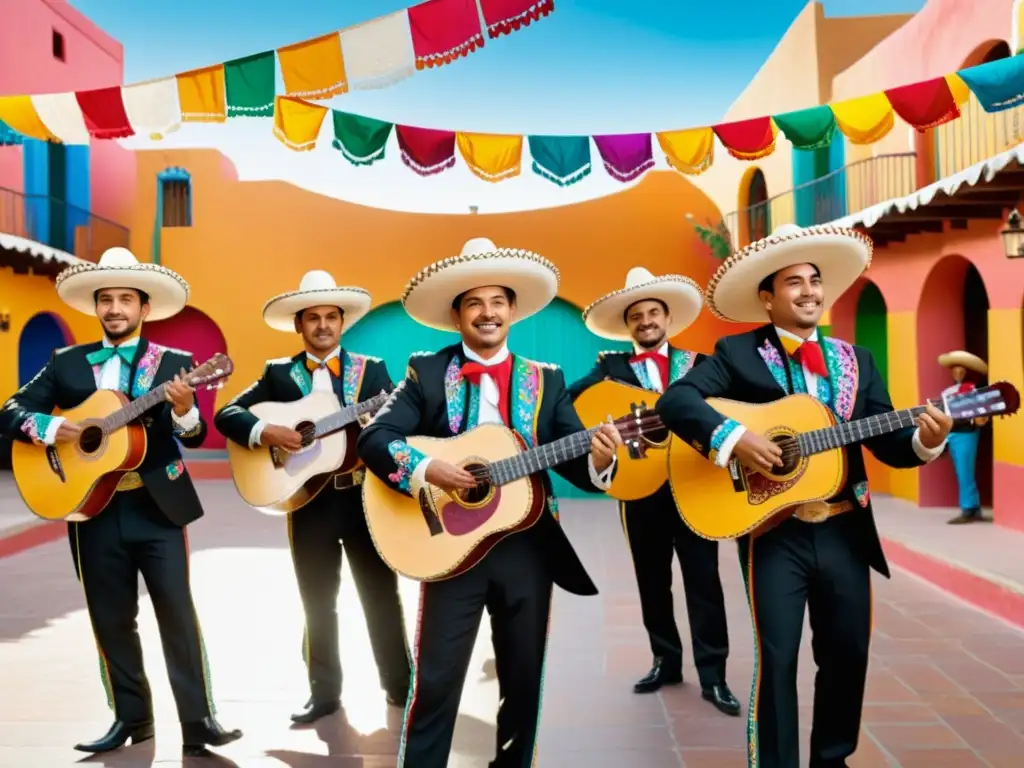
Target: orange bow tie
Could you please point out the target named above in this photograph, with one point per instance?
(333, 365)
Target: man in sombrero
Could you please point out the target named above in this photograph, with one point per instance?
(967, 371)
(142, 530)
(647, 312)
(318, 312)
(820, 562)
(480, 294)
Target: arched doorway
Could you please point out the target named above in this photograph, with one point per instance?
(759, 218)
(555, 335)
(871, 331)
(952, 314)
(196, 332)
(42, 334)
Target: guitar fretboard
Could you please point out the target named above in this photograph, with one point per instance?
(348, 415)
(134, 409)
(542, 457)
(847, 433)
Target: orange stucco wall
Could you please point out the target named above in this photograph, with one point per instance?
(252, 240)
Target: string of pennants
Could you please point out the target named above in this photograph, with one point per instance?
(374, 54)
(434, 33)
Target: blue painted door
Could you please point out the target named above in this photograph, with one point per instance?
(41, 335)
(819, 183)
(556, 335)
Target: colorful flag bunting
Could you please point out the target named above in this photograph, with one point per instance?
(492, 157)
(379, 53)
(152, 108)
(924, 105)
(691, 151)
(104, 113)
(864, 120)
(249, 85)
(297, 123)
(503, 17)
(444, 30)
(313, 69)
(997, 85)
(362, 140)
(201, 95)
(20, 114)
(808, 129)
(626, 156)
(747, 139)
(561, 159)
(62, 116)
(425, 150)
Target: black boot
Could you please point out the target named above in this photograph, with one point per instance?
(722, 698)
(119, 733)
(314, 710)
(662, 673)
(197, 736)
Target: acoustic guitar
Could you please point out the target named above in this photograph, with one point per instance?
(75, 481)
(277, 482)
(643, 460)
(719, 503)
(440, 535)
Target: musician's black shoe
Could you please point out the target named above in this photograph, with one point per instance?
(398, 698)
(662, 673)
(197, 736)
(118, 735)
(314, 710)
(722, 698)
(967, 516)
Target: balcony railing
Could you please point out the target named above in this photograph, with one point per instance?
(59, 225)
(844, 191)
(976, 136)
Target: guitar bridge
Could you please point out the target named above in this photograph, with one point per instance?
(55, 466)
(430, 515)
(738, 476)
(275, 457)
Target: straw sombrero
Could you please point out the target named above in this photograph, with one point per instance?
(118, 268)
(428, 297)
(682, 296)
(841, 256)
(316, 289)
(964, 359)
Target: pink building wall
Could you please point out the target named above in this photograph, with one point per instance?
(92, 59)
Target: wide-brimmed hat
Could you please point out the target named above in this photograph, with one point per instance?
(681, 295)
(428, 297)
(118, 268)
(841, 256)
(965, 360)
(316, 289)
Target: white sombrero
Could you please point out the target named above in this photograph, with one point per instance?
(316, 289)
(118, 268)
(683, 297)
(965, 360)
(841, 256)
(428, 297)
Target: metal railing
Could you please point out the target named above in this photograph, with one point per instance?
(842, 192)
(59, 225)
(976, 136)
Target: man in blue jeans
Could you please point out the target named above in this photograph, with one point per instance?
(968, 371)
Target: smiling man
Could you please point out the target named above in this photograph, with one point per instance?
(819, 559)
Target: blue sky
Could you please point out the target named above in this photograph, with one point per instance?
(593, 66)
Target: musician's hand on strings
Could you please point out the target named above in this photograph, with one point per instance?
(67, 432)
(757, 451)
(180, 395)
(277, 436)
(933, 425)
(448, 477)
(603, 445)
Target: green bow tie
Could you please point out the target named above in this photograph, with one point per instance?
(101, 355)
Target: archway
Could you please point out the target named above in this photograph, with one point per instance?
(42, 334)
(758, 215)
(952, 314)
(196, 332)
(555, 335)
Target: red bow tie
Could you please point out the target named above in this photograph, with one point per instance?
(809, 355)
(502, 375)
(661, 360)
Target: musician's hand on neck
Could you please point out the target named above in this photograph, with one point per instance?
(934, 426)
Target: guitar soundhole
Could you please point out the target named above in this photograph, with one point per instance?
(308, 431)
(790, 455)
(90, 440)
(658, 436)
(472, 497)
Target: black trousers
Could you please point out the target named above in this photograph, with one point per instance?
(317, 532)
(514, 585)
(655, 531)
(792, 566)
(132, 536)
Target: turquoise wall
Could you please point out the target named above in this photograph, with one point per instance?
(556, 335)
(825, 201)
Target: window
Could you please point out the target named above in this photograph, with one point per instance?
(177, 203)
(58, 45)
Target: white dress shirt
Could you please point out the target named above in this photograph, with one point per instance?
(110, 378)
(653, 372)
(490, 413)
(811, 380)
(321, 383)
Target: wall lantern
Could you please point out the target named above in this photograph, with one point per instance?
(1013, 236)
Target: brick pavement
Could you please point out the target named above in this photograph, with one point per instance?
(946, 684)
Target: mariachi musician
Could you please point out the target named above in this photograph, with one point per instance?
(967, 371)
(318, 312)
(143, 528)
(647, 312)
